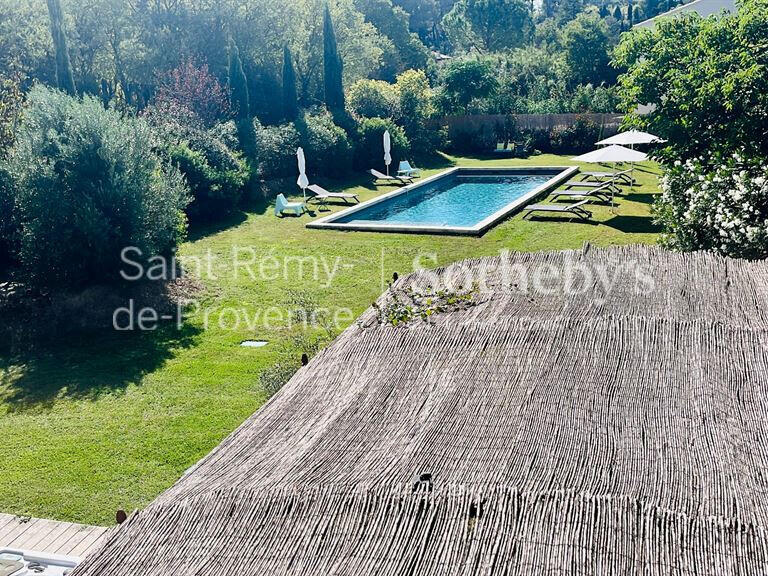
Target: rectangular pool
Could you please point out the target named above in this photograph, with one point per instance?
(457, 201)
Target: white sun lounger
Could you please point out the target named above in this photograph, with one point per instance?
(576, 209)
(393, 179)
(322, 195)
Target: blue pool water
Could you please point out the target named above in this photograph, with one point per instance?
(452, 201)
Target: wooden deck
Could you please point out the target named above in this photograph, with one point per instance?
(49, 536)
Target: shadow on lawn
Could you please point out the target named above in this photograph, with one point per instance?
(199, 231)
(634, 224)
(87, 367)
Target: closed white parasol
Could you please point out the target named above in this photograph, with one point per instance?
(387, 150)
(303, 181)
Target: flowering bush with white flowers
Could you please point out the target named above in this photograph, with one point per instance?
(723, 208)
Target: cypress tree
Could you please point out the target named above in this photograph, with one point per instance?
(332, 67)
(617, 13)
(290, 98)
(65, 80)
(630, 16)
(238, 84)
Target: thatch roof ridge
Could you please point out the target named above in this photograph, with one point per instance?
(686, 286)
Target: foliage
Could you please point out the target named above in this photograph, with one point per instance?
(8, 224)
(290, 96)
(567, 10)
(276, 146)
(720, 206)
(474, 140)
(64, 77)
(489, 25)
(701, 108)
(369, 152)
(403, 50)
(466, 81)
(205, 153)
(238, 84)
(587, 45)
(326, 145)
(332, 67)
(373, 99)
(11, 102)
(86, 186)
(215, 174)
(192, 87)
(417, 109)
(587, 98)
(409, 305)
(575, 139)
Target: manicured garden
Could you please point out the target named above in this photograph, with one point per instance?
(96, 424)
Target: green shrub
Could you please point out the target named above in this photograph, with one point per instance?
(208, 158)
(373, 99)
(216, 177)
(87, 185)
(720, 206)
(326, 146)
(577, 138)
(8, 229)
(417, 106)
(276, 149)
(479, 140)
(369, 148)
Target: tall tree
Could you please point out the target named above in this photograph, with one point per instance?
(489, 25)
(65, 80)
(290, 97)
(587, 46)
(567, 10)
(238, 84)
(332, 67)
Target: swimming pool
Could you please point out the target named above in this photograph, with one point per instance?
(457, 201)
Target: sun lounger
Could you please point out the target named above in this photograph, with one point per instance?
(575, 209)
(391, 179)
(602, 193)
(609, 185)
(322, 195)
(620, 177)
(405, 169)
(282, 205)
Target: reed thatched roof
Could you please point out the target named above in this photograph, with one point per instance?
(579, 431)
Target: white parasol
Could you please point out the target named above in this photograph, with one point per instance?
(303, 181)
(387, 150)
(630, 138)
(613, 154)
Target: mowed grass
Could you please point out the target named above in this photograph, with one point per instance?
(94, 425)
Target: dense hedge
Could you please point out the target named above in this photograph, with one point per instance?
(86, 184)
(326, 146)
(369, 152)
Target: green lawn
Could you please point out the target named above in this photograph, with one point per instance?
(100, 424)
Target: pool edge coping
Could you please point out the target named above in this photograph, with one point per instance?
(329, 222)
